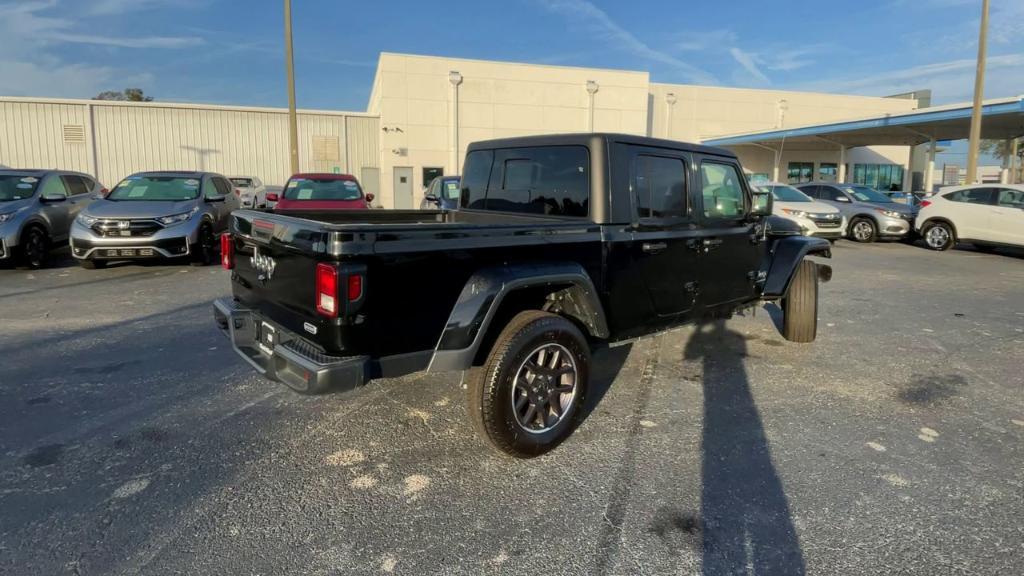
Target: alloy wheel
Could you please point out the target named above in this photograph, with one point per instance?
(544, 388)
(937, 237)
(862, 231)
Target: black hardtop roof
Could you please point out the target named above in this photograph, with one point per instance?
(585, 139)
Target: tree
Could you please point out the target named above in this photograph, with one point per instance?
(126, 95)
(999, 149)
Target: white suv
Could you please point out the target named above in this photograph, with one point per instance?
(985, 215)
(250, 191)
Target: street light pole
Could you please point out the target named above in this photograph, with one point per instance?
(979, 89)
(289, 62)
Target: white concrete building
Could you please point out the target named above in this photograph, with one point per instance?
(422, 113)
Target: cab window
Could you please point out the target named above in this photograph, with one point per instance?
(659, 186)
(721, 191)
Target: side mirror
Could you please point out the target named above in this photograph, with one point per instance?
(431, 198)
(842, 199)
(370, 197)
(103, 193)
(50, 198)
(273, 197)
(763, 204)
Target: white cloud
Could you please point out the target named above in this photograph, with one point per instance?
(748, 61)
(700, 40)
(598, 22)
(951, 81)
(113, 7)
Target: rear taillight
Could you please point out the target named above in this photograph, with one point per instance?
(926, 203)
(327, 290)
(238, 192)
(227, 251)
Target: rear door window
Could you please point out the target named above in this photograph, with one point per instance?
(659, 186)
(551, 180)
(1010, 198)
(721, 190)
(74, 184)
(971, 196)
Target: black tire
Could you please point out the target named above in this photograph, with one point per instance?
(204, 251)
(939, 236)
(863, 230)
(92, 264)
(35, 248)
(800, 306)
(497, 405)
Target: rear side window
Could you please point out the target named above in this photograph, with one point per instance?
(475, 174)
(659, 184)
(552, 180)
(971, 196)
(722, 193)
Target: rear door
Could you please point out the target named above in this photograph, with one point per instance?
(665, 234)
(1008, 216)
(79, 193)
(730, 257)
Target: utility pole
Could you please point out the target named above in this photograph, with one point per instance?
(289, 62)
(979, 89)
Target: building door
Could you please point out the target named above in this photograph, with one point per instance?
(403, 188)
(369, 179)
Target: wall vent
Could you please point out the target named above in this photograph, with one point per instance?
(74, 134)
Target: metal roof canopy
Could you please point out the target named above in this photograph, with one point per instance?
(1001, 119)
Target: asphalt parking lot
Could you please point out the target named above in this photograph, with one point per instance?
(132, 441)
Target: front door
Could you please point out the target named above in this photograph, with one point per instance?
(973, 215)
(56, 211)
(730, 257)
(403, 187)
(1008, 216)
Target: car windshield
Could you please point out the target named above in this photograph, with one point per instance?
(450, 189)
(786, 193)
(322, 189)
(17, 186)
(242, 182)
(865, 194)
(166, 188)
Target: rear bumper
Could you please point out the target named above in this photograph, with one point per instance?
(282, 356)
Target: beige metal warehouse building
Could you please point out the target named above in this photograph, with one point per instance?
(422, 113)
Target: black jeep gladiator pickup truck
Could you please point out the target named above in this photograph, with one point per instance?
(561, 243)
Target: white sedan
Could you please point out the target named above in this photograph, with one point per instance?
(250, 191)
(986, 215)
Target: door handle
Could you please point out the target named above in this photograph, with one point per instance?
(653, 247)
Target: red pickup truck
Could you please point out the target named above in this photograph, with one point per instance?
(321, 192)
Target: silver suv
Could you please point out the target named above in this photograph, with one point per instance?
(871, 214)
(36, 210)
(155, 215)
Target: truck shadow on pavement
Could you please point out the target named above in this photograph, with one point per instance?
(745, 525)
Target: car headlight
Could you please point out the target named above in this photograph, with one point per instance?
(797, 213)
(6, 216)
(889, 213)
(177, 218)
(86, 220)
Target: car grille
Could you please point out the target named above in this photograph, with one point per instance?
(832, 220)
(126, 228)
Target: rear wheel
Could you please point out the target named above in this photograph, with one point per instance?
(800, 306)
(529, 394)
(939, 236)
(203, 252)
(35, 247)
(863, 230)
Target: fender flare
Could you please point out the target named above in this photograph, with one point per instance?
(786, 256)
(34, 220)
(483, 293)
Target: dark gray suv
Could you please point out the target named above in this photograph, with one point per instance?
(36, 211)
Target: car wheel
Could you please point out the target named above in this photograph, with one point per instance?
(92, 264)
(800, 306)
(35, 247)
(203, 253)
(863, 230)
(939, 236)
(530, 392)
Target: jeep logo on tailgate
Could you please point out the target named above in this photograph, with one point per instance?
(262, 264)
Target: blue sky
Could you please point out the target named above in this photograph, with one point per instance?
(224, 51)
